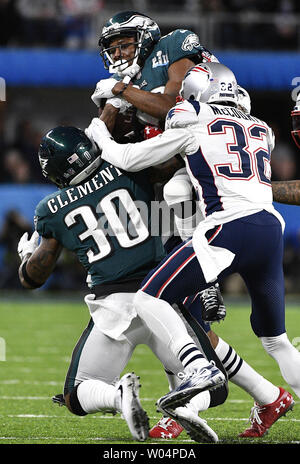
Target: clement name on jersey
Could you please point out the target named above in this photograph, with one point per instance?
(123, 247)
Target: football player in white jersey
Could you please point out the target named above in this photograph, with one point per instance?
(227, 156)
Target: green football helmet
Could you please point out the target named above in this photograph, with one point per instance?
(67, 156)
(129, 24)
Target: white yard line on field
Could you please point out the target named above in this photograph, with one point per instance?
(47, 416)
(30, 382)
(6, 397)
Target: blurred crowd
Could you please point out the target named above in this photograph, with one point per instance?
(73, 23)
(267, 24)
(51, 23)
(18, 162)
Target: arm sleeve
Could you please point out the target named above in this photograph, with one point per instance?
(138, 156)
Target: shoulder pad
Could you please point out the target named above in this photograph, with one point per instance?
(179, 34)
(40, 218)
(182, 43)
(41, 208)
(182, 114)
(269, 135)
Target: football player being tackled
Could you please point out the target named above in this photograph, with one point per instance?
(86, 216)
(148, 73)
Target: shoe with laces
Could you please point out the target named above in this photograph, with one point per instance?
(130, 406)
(166, 428)
(213, 307)
(194, 426)
(194, 382)
(263, 417)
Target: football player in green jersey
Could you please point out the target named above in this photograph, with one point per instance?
(134, 51)
(103, 215)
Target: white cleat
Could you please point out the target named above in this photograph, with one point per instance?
(130, 407)
(195, 427)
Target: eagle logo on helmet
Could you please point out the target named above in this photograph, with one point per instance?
(67, 156)
(43, 163)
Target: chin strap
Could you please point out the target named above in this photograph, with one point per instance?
(129, 71)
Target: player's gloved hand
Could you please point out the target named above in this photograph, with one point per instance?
(151, 131)
(213, 307)
(97, 131)
(28, 246)
(130, 71)
(208, 56)
(119, 103)
(103, 90)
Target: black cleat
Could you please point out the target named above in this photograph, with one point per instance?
(59, 399)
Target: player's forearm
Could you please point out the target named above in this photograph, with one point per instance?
(286, 192)
(36, 268)
(154, 104)
(108, 115)
(28, 278)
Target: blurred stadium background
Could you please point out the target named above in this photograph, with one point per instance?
(49, 65)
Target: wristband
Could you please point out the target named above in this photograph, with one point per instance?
(28, 279)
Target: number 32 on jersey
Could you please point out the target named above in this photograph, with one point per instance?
(251, 161)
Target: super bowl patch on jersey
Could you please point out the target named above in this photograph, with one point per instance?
(190, 42)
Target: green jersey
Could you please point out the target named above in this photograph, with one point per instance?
(172, 47)
(106, 221)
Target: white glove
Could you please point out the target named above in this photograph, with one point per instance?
(97, 131)
(130, 71)
(120, 103)
(26, 246)
(103, 90)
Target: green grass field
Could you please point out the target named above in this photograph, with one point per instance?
(39, 337)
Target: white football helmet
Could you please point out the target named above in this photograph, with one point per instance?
(244, 100)
(210, 83)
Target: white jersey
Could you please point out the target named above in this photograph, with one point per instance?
(230, 170)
